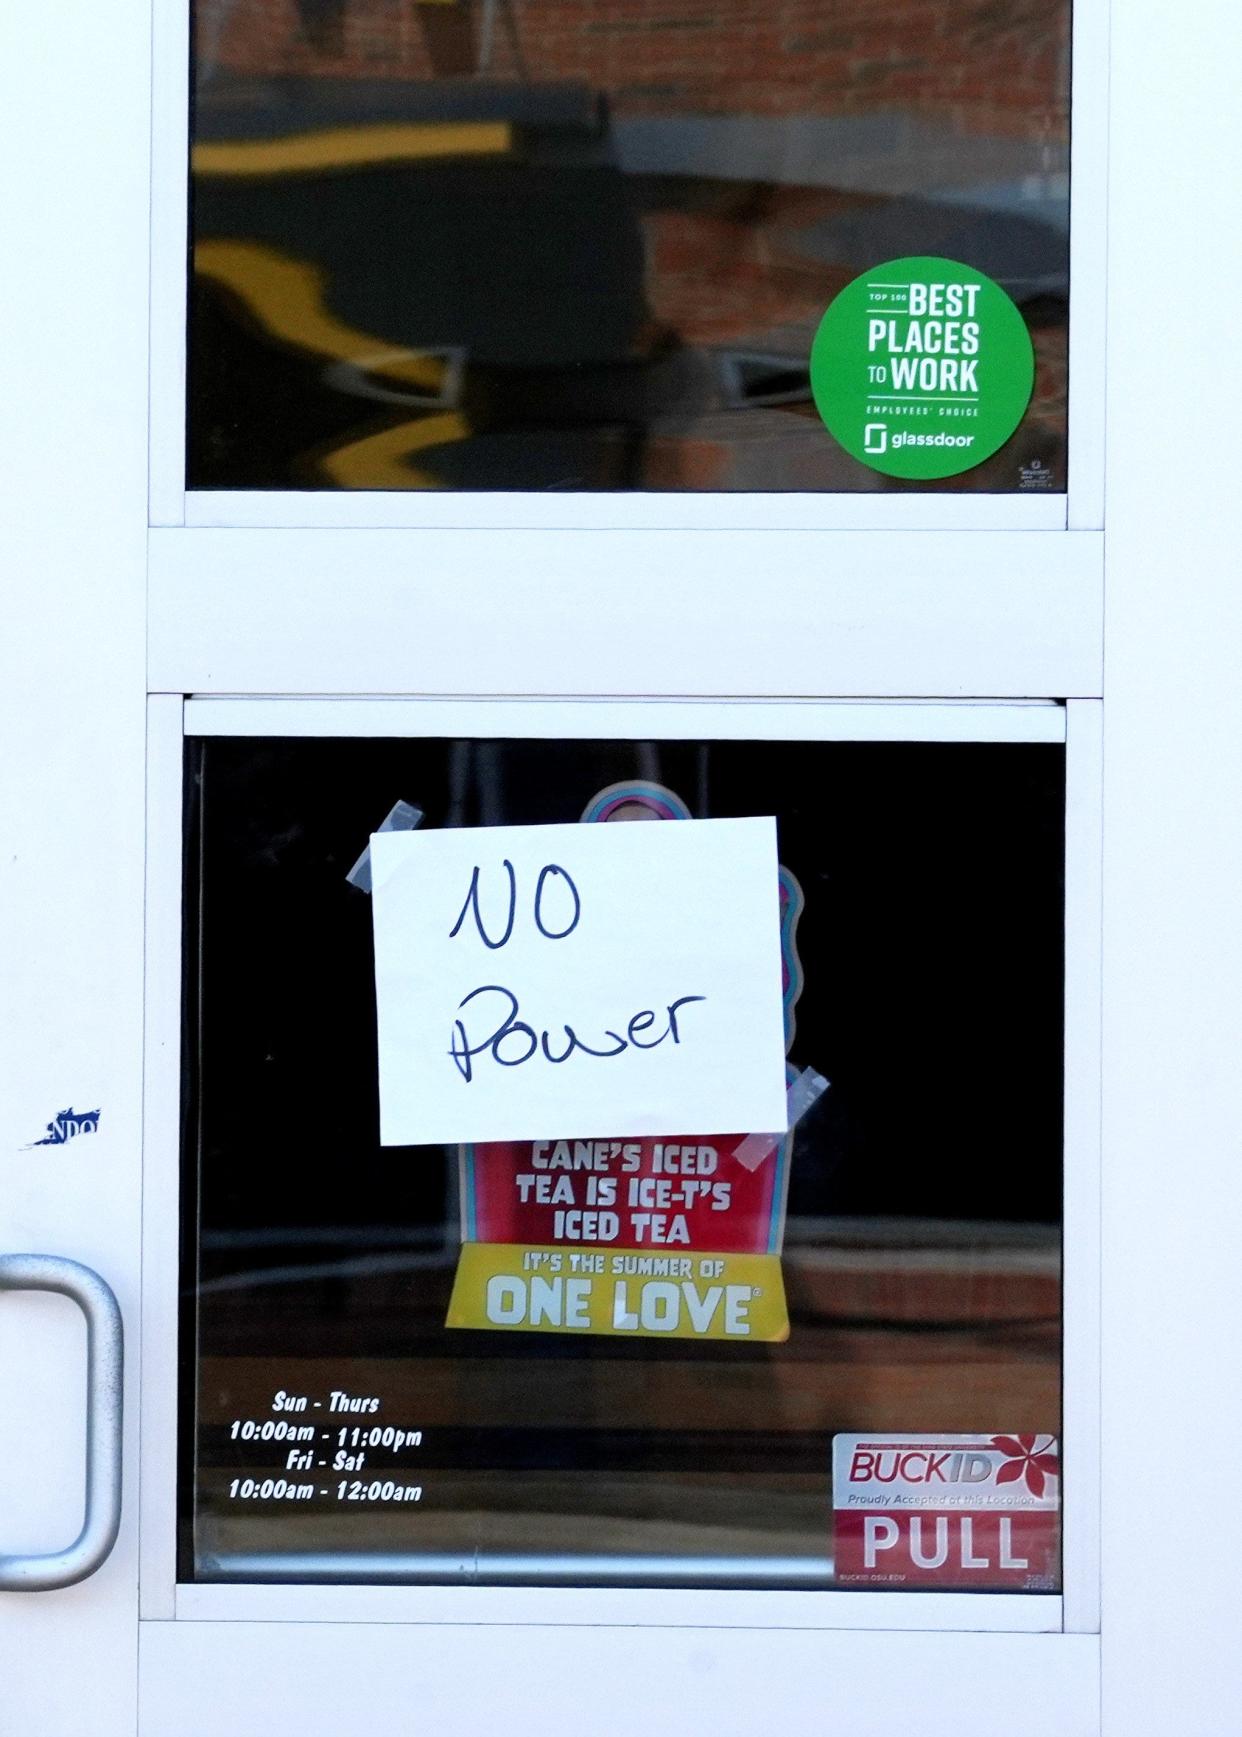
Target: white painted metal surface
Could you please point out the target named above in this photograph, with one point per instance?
(1080, 1378)
(169, 49)
(161, 1250)
(997, 614)
(462, 511)
(203, 1679)
(74, 122)
(1088, 329)
(668, 720)
(1172, 1400)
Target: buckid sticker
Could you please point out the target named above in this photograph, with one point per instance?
(947, 1510)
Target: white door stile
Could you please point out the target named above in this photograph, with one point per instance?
(1088, 326)
(169, 226)
(74, 125)
(161, 1243)
(1080, 1429)
(1172, 1277)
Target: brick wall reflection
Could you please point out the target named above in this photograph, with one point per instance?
(995, 67)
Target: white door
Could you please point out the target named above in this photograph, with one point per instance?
(574, 534)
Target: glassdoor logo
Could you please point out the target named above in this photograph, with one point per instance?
(875, 437)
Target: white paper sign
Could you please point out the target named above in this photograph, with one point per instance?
(539, 981)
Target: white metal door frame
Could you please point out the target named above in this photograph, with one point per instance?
(1078, 725)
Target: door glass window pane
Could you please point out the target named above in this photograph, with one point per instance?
(351, 1413)
(583, 245)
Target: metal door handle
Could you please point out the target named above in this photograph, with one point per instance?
(104, 1368)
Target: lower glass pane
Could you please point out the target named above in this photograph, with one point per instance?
(900, 1251)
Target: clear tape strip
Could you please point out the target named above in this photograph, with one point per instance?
(803, 1091)
(401, 817)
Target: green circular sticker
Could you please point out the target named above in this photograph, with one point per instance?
(922, 367)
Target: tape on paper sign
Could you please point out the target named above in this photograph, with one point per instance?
(620, 1293)
(947, 1510)
(401, 817)
(804, 1090)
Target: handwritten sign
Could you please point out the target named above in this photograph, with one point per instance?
(623, 980)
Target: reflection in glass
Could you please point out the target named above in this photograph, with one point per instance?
(575, 244)
(921, 1246)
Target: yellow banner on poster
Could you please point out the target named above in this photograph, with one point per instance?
(514, 1287)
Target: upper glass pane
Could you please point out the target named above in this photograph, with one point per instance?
(586, 244)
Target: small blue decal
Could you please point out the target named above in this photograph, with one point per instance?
(67, 1124)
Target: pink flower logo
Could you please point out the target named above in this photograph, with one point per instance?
(1024, 1458)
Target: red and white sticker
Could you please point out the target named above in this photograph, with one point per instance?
(947, 1510)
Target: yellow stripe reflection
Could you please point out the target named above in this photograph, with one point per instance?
(352, 148)
(286, 296)
(379, 460)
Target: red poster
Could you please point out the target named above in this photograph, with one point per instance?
(684, 1192)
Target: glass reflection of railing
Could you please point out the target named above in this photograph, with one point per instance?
(385, 1251)
(495, 1568)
